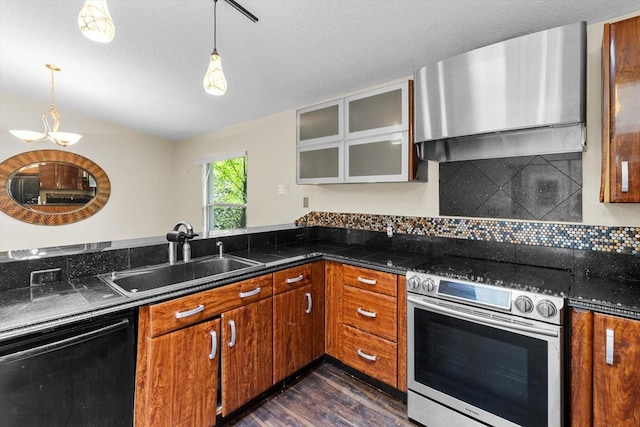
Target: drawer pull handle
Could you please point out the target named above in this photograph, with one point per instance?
(214, 345)
(183, 314)
(366, 356)
(248, 294)
(609, 347)
(367, 281)
(309, 302)
(366, 313)
(625, 176)
(232, 326)
(295, 279)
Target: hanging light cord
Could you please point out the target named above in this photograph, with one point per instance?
(53, 99)
(215, 6)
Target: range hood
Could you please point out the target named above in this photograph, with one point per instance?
(524, 96)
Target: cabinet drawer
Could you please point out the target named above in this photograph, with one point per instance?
(291, 278)
(175, 314)
(370, 280)
(370, 354)
(371, 312)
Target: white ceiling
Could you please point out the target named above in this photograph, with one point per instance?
(300, 52)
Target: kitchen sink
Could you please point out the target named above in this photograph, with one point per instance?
(167, 277)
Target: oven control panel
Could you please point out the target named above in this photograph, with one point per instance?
(547, 308)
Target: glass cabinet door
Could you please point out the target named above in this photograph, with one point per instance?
(320, 123)
(381, 158)
(378, 111)
(320, 163)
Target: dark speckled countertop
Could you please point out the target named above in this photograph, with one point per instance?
(27, 310)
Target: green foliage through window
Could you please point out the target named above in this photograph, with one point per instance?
(227, 194)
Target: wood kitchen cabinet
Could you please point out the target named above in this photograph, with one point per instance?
(59, 176)
(176, 377)
(364, 325)
(247, 358)
(298, 318)
(605, 370)
(620, 172)
(183, 374)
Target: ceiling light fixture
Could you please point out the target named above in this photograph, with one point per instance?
(214, 82)
(95, 21)
(51, 121)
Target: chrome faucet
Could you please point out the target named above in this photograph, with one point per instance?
(219, 245)
(174, 237)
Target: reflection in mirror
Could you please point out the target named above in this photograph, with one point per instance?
(52, 187)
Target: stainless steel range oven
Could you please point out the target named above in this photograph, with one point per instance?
(485, 344)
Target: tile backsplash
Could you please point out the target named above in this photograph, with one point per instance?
(545, 188)
(623, 240)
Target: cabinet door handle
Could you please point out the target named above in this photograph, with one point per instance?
(366, 313)
(232, 326)
(183, 314)
(367, 281)
(294, 279)
(624, 166)
(214, 345)
(366, 356)
(309, 302)
(248, 294)
(609, 347)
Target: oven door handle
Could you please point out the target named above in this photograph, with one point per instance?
(483, 320)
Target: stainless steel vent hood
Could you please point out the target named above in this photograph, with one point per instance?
(523, 96)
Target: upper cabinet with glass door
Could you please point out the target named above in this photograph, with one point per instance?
(379, 111)
(320, 123)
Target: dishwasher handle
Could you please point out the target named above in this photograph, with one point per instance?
(64, 343)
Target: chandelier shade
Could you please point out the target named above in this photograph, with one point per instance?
(51, 122)
(95, 21)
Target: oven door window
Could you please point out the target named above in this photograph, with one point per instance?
(501, 372)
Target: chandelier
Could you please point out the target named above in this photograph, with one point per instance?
(51, 121)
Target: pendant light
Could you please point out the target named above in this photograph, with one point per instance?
(214, 81)
(51, 121)
(95, 21)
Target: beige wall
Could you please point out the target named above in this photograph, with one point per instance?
(138, 165)
(271, 143)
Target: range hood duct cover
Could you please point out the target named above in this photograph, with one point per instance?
(521, 97)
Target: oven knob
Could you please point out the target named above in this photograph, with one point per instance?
(524, 304)
(546, 309)
(428, 285)
(414, 282)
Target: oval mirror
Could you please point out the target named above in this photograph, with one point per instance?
(52, 187)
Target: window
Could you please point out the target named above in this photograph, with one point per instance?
(226, 188)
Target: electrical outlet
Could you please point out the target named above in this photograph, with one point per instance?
(305, 202)
(42, 277)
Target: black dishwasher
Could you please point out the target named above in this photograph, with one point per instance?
(78, 375)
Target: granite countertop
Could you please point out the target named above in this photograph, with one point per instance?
(27, 310)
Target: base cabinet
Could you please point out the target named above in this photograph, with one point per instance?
(365, 322)
(605, 370)
(616, 371)
(247, 358)
(183, 374)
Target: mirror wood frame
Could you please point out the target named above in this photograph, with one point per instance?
(14, 209)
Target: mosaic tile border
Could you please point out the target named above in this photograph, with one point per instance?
(624, 240)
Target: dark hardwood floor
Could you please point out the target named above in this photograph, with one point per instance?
(326, 396)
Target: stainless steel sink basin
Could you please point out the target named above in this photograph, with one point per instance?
(166, 277)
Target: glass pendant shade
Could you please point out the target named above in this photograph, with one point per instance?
(214, 81)
(51, 122)
(95, 21)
